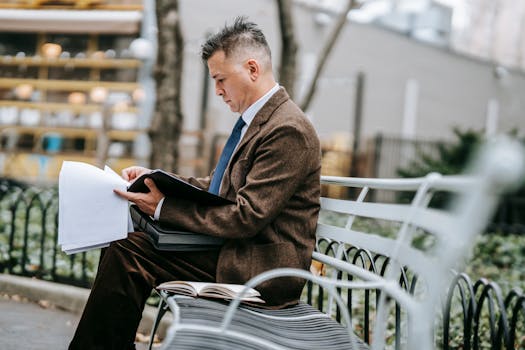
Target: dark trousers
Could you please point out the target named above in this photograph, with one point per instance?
(127, 272)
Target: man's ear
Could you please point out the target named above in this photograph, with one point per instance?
(253, 68)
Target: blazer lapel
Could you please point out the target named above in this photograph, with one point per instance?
(261, 118)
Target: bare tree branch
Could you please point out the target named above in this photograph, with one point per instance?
(289, 47)
(323, 56)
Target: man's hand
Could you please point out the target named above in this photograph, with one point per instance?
(147, 202)
(133, 172)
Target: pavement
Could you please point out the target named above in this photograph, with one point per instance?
(27, 325)
(41, 315)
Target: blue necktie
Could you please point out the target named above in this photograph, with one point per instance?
(226, 155)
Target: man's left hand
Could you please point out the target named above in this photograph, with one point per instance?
(147, 202)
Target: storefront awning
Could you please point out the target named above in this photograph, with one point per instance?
(70, 21)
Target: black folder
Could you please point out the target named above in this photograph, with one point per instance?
(172, 186)
(166, 238)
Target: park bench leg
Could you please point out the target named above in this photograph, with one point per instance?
(163, 307)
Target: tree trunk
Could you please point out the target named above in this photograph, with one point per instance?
(166, 125)
(323, 56)
(287, 68)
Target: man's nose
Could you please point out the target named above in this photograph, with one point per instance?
(218, 91)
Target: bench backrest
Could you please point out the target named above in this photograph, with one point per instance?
(417, 237)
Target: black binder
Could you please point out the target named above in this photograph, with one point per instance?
(165, 238)
(172, 186)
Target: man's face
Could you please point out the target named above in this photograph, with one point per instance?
(232, 81)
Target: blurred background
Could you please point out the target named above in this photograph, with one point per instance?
(77, 79)
(386, 83)
(393, 87)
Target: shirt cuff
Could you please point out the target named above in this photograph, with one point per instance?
(156, 216)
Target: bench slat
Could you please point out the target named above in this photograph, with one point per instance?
(407, 256)
(425, 218)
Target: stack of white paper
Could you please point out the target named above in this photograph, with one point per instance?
(90, 214)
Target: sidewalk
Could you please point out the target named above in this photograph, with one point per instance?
(41, 315)
(26, 325)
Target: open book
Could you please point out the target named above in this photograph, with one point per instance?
(210, 290)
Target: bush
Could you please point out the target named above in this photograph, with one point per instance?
(452, 159)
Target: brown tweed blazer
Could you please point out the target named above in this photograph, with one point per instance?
(273, 177)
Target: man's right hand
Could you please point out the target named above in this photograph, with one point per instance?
(133, 172)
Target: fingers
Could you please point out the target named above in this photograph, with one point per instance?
(133, 172)
(126, 173)
(154, 193)
(151, 185)
(130, 196)
(147, 202)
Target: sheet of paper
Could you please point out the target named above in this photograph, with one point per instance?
(108, 170)
(72, 250)
(90, 213)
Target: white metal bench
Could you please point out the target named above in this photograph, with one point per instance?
(397, 244)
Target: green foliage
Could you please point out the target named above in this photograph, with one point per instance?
(21, 212)
(499, 258)
(496, 257)
(451, 158)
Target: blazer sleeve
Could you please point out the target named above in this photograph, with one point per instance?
(284, 157)
(200, 182)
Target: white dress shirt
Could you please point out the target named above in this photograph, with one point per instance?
(247, 116)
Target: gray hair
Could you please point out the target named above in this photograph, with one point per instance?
(236, 38)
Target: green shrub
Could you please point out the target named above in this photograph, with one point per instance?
(451, 159)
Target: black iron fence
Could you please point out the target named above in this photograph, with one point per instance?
(29, 233)
(475, 313)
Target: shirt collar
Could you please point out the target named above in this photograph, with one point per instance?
(251, 111)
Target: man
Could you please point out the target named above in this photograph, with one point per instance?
(272, 177)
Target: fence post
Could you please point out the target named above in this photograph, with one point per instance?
(358, 114)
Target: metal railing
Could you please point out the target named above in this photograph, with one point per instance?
(475, 314)
(29, 233)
